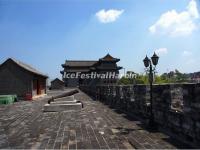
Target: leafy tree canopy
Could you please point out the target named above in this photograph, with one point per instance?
(171, 77)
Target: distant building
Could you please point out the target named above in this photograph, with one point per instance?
(57, 84)
(21, 79)
(105, 65)
(195, 77)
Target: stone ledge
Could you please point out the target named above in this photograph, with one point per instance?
(62, 107)
(64, 102)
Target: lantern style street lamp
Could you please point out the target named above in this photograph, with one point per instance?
(148, 64)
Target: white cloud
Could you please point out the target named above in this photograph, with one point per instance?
(161, 51)
(192, 9)
(177, 24)
(108, 16)
(187, 53)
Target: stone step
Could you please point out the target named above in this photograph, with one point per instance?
(64, 102)
(62, 107)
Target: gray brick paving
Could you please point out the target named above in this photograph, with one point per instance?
(25, 125)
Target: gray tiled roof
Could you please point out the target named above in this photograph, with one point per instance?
(80, 63)
(108, 57)
(27, 67)
(56, 79)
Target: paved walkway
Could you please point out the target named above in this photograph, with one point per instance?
(24, 125)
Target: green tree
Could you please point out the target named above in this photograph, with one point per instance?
(171, 77)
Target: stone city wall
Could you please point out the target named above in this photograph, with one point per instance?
(176, 107)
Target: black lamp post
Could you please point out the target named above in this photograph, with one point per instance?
(148, 63)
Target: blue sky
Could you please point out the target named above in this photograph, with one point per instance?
(44, 33)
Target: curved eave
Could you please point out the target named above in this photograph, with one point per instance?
(113, 60)
(119, 68)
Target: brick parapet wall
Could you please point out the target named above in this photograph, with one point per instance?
(176, 107)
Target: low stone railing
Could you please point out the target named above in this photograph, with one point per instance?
(176, 107)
